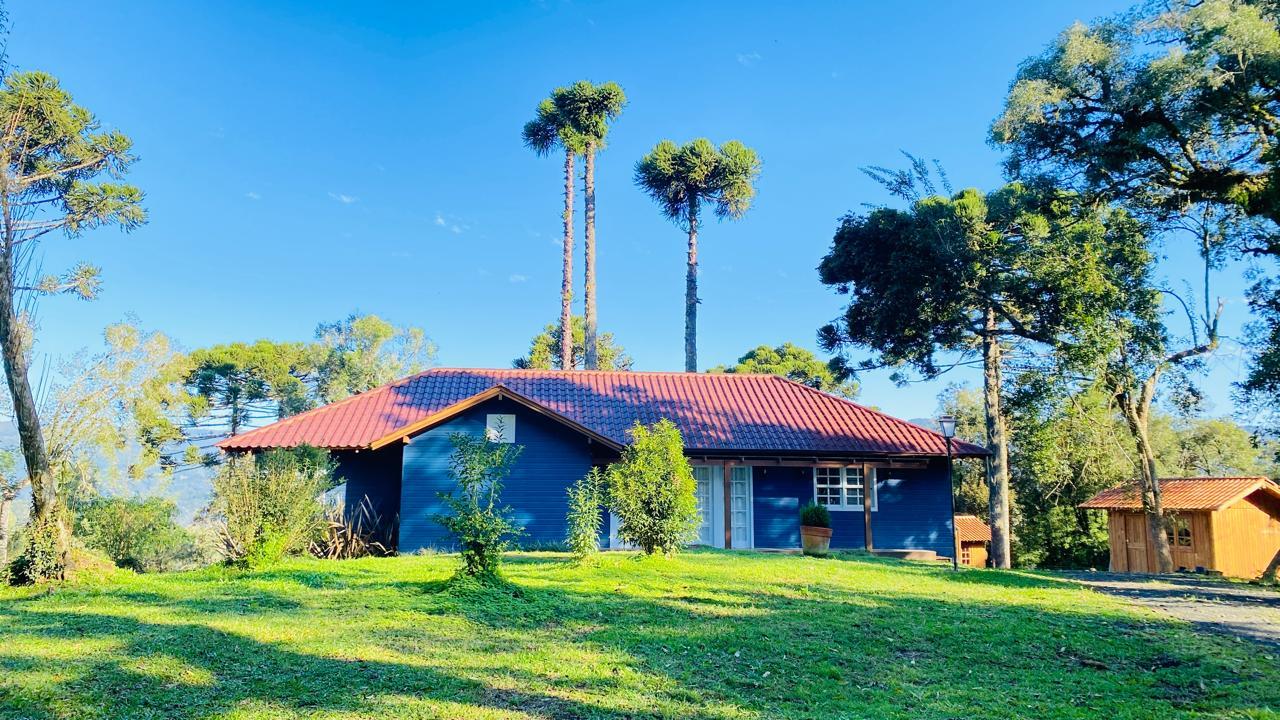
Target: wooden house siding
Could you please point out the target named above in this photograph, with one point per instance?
(913, 510)
(552, 459)
(1131, 547)
(1247, 535)
(372, 474)
(1239, 540)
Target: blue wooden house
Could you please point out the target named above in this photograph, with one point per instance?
(761, 447)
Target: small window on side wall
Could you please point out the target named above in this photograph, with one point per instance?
(500, 428)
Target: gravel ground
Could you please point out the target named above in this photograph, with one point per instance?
(1242, 611)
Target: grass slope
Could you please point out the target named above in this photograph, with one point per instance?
(710, 635)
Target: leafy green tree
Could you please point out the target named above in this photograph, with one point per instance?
(1028, 265)
(136, 533)
(55, 156)
(542, 350)
(363, 352)
(211, 393)
(1167, 108)
(476, 517)
(1191, 447)
(680, 178)
(553, 129)
(652, 491)
(794, 363)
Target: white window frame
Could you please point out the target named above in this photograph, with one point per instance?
(500, 428)
(867, 484)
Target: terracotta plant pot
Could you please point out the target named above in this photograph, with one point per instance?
(815, 540)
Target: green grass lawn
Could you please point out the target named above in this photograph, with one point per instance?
(707, 635)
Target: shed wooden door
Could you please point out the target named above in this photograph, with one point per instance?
(1135, 542)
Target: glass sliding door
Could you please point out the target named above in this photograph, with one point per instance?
(740, 506)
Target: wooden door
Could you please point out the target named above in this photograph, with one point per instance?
(1135, 541)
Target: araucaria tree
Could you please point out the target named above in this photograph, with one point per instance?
(680, 179)
(979, 272)
(576, 119)
(553, 129)
(61, 175)
(590, 108)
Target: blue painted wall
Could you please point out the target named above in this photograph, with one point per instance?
(553, 458)
(374, 474)
(914, 510)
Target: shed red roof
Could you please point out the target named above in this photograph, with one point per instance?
(970, 528)
(1203, 493)
(715, 412)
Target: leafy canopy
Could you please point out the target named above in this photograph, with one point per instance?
(682, 177)
(574, 117)
(794, 363)
(1165, 108)
(1050, 266)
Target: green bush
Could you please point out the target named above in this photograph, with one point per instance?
(652, 490)
(269, 506)
(586, 503)
(39, 559)
(136, 533)
(815, 515)
(476, 519)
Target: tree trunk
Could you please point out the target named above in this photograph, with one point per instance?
(566, 283)
(6, 504)
(997, 443)
(691, 294)
(1272, 573)
(44, 484)
(1137, 415)
(590, 351)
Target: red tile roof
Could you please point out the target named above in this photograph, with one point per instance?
(715, 412)
(1203, 493)
(970, 528)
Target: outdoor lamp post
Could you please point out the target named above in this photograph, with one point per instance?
(947, 425)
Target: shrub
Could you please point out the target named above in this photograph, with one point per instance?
(476, 519)
(40, 559)
(268, 506)
(586, 502)
(136, 533)
(815, 515)
(347, 535)
(652, 490)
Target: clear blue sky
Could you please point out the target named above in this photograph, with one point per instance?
(304, 160)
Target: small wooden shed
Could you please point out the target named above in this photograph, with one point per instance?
(1227, 524)
(972, 537)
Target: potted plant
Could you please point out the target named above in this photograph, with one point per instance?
(815, 529)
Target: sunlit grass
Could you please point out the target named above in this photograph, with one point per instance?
(708, 635)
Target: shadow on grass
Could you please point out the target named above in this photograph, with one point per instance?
(673, 645)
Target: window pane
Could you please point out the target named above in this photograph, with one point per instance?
(853, 487)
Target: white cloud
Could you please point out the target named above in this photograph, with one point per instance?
(749, 59)
(517, 278)
(343, 198)
(440, 220)
(253, 195)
